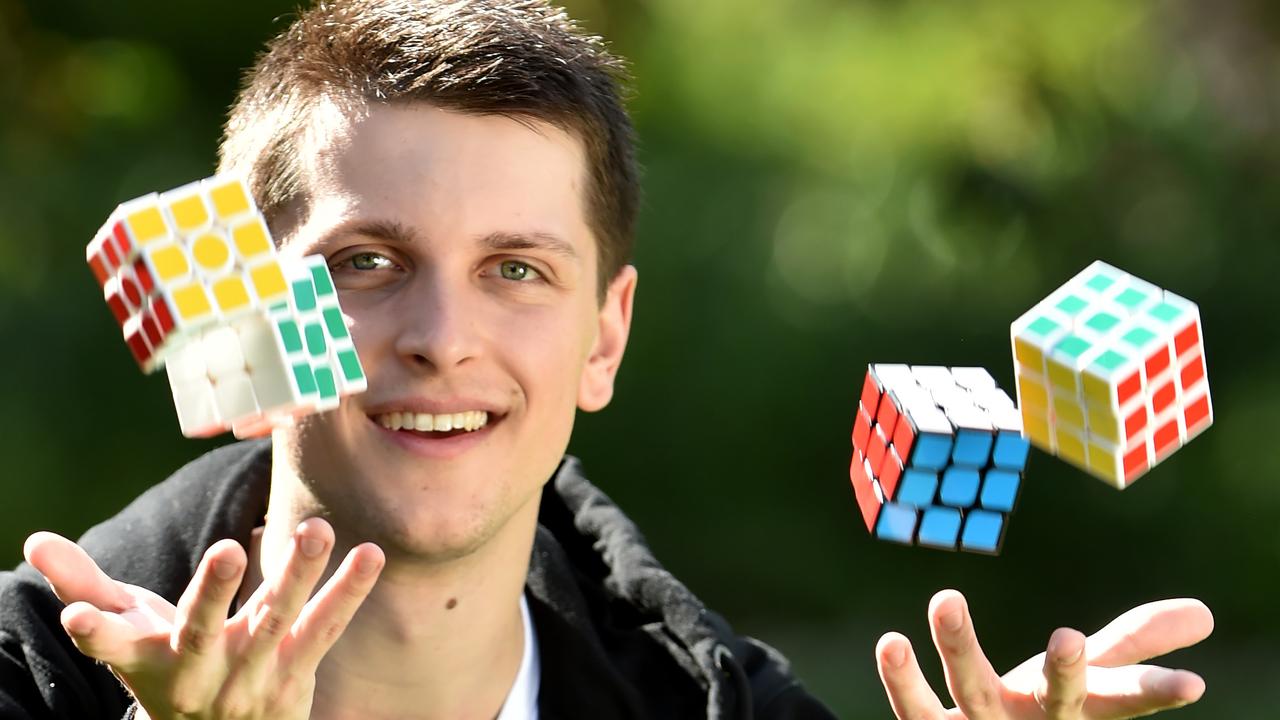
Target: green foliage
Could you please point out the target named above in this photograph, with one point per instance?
(829, 183)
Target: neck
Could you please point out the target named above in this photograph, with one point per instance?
(434, 639)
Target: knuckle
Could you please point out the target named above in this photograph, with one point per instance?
(332, 631)
(273, 624)
(1060, 705)
(233, 706)
(195, 641)
(298, 570)
(979, 697)
(184, 703)
(291, 688)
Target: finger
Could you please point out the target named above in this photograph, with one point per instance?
(325, 618)
(201, 616)
(909, 693)
(284, 595)
(1064, 691)
(256, 428)
(1137, 690)
(973, 682)
(1149, 631)
(72, 574)
(102, 635)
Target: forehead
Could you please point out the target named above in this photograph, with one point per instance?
(446, 173)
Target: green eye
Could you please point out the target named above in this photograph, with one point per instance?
(369, 261)
(516, 270)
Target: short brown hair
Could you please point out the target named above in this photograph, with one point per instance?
(519, 58)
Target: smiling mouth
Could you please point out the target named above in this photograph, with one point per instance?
(426, 425)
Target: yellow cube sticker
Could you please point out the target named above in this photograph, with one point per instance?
(230, 199)
(251, 238)
(170, 263)
(211, 252)
(1102, 460)
(1033, 393)
(1028, 354)
(1067, 409)
(191, 302)
(147, 225)
(231, 294)
(1036, 425)
(1104, 424)
(189, 213)
(268, 281)
(1071, 447)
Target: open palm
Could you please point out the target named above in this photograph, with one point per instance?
(1076, 678)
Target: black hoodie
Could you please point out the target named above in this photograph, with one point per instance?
(619, 636)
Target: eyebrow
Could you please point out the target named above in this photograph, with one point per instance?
(530, 241)
(399, 233)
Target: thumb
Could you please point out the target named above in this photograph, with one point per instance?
(74, 576)
(107, 637)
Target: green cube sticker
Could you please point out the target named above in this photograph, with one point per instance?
(350, 364)
(336, 325)
(1102, 322)
(1100, 282)
(1138, 337)
(325, 382)
(304, 295)
(1073, 345)
(315, 339)
(1166, 313)
(1131, 298)
(1110, 360)
(290, 335)
(1043, 326)
(1072, 304)
(323, 283)
(305, 378)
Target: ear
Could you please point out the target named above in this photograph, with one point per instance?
(595, 390)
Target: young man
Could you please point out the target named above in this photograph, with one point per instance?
(466, 168)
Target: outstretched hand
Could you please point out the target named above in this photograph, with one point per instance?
(191, 660)
(1077, 678)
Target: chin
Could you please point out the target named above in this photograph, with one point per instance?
(428, 538)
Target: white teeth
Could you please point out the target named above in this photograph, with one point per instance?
(426, 422)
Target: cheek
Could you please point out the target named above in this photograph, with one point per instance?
(547, 351)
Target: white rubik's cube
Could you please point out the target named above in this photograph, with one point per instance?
(249, 340)
(1111, 373)
(938, 456)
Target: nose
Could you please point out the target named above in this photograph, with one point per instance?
(439, 327)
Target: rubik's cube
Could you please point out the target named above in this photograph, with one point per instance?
(938, 456)
(248, 339)
(1111, 373)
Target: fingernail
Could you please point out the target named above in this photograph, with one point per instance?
(311, 547)
(1071, 659)
(368, 566)
(225, 570)
(952, 620)
(898, 657)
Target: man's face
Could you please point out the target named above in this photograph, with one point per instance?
(461, 250)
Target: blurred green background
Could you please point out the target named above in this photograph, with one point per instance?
(829, 183)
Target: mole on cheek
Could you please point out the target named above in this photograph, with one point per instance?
(453, 602)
